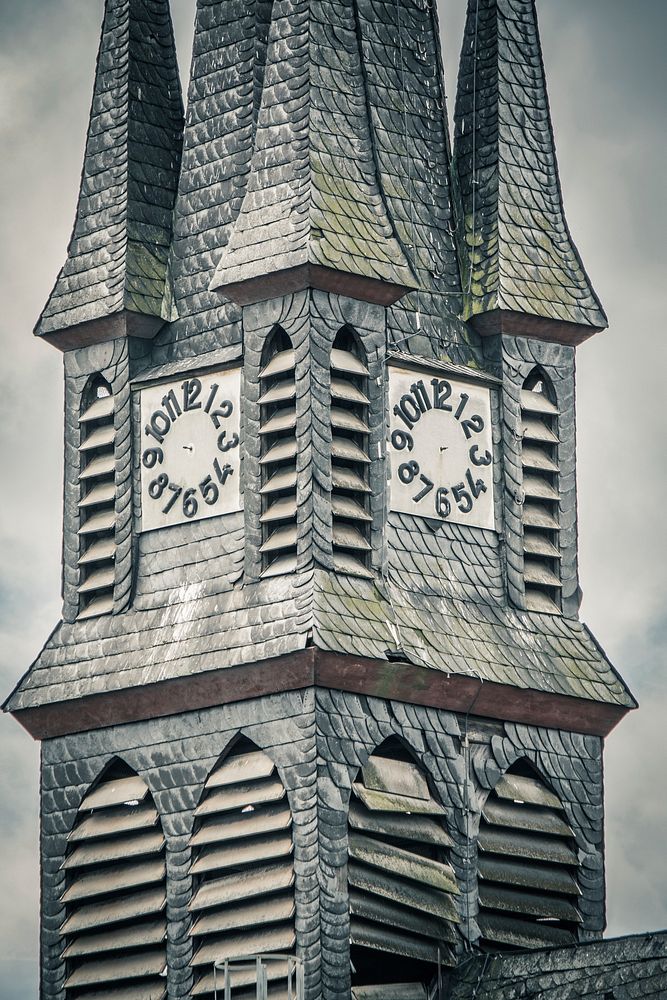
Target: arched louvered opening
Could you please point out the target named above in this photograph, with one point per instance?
(403, 911)
(541, 510)
(97, 482)
(527, 866)
(243, 899)
(278, 461)
(350, 456)
(115, 926)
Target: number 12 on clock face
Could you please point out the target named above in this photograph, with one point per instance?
(440, 448)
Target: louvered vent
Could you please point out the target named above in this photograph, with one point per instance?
(402, 890)
(115, 926)
(278, 461)
(243, 903)
(527, 867)
(541, 523)
(97, 483)
(350, 457)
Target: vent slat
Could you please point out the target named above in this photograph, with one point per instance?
(98, 579)
(280, 566)
(528, 876)
(411, 894)
(281, 392)
(370, 907)
(121, 939)
(242, 885)
(345, 420)
(153, 990)
(346, 536)
(282, 451)
(537, 600)
(380, 938)
(245, 853)
(100, 437)
(103, 520)
(100, 409)
(347, 392)
(283, 361)
(390, 802)
(109, 824)
(401, 826)
(269, 819)
(348, 451)
(538, 458)
(283, 420)
(346, 361)
(536, 544)
(514, 933)
(243, 767)
(149, 963)
(347, 479)
(538, 486)
(528, 904)
(282, 538)
(522, 845)
(101, 493)
(280, 510)
(271, 939)
(241, 795)
(518, 817)
(540, 573)
(395, 777)
(405, 864)
(343, 506)
(118, 792)
(535, 429)
(101, 851)
(539, 516)
(116, 911)
(284, 479)
(537, 402)
(242, 977)
(101, 465)
(102, 605)
(345, 562)
(101, 550)
(114, 879)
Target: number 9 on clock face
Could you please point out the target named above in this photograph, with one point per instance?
(440, 448)
(189, 449)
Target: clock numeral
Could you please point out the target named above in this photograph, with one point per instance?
(176, 492)
(224, 472)
(224, 445)
(443, 507)
(171, 405)
(407, 472)
(211, 397)
(477, 486)
(225, 410)
(462, 405)
(478, 459)
(158, 426)
(158, 486)
(401, 440)
(191, 392)
(442, 390)
(462, 498)
(209, 491)
(428, 486)
(418, 390)
(190, 505)
(472, 426)
(152, 457)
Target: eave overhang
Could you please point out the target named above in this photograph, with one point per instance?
(312, 667)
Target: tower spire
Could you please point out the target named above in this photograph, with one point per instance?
(314, 212)
(112, 283)
(525, 273)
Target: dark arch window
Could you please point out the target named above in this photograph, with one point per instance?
(115, 926)
(97, 492)
(402, 890)
(278, 459)
(350, 455)
(243, 898)
(541, 508)
(527, 865)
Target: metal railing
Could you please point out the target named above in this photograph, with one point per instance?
(248, 968)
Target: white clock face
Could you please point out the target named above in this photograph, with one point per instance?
(190, 449)
(440, 448)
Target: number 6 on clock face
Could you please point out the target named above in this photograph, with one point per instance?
(190, 449)
(440, 448)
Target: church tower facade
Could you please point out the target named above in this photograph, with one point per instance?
(320, 719)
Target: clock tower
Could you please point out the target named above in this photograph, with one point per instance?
(320, 718)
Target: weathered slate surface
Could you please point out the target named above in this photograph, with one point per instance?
(117, 257)
(621, 968)
(520, 249)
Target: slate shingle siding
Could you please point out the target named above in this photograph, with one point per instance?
(318, 739)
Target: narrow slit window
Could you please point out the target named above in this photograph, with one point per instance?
(97, 495)
(278, 457)
(402, 889)
(115, 899)
(243, 899)
(350, 459)
(527, 866)
(541, 507)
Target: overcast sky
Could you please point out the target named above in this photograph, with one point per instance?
(607, 75)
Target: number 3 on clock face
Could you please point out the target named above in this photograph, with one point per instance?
(190, 436)
(440, 448)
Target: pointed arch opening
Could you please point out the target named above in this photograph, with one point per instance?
(350, 458)
(115, 898)
(97, 496)
(242, 847)
(402, 889)
(527, 865)
(278, 455)
(541, 489)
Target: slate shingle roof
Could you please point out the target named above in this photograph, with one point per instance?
(617, 969)
(522, 256)
(117, 257)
